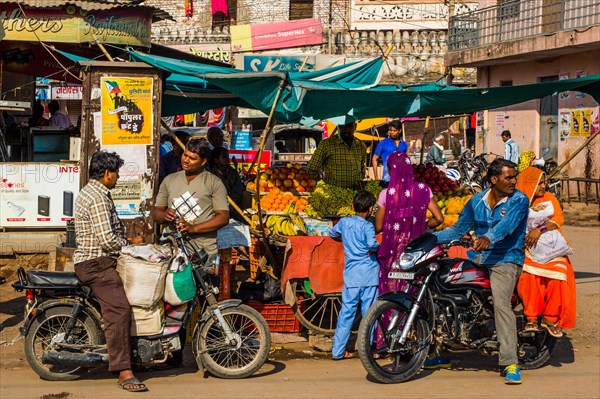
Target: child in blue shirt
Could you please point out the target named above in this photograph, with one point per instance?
(361, 270)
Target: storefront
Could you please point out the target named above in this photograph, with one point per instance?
(40, 167)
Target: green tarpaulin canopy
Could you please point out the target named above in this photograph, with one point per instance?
(307, 102)
(187, 91)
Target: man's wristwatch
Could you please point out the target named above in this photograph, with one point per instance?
(543, 228)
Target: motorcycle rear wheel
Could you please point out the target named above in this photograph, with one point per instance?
(405, 361)
(48, 329)
(245, 358)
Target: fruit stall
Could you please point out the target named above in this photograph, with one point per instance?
(296, 213)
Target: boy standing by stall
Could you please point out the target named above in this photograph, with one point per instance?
(361, 270)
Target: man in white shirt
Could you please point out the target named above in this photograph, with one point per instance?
(511, 149)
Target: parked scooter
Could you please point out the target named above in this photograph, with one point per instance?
(447, 302)
(63, 325)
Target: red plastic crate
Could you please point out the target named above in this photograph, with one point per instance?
(279, 316)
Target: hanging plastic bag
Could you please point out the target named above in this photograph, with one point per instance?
(179, 286)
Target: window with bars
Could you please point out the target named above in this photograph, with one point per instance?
(508, 9)
(301, 9)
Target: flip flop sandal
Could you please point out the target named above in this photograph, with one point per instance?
(531, 326)
(132, 382)
(553, 329)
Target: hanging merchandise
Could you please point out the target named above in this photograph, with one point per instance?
(216, 117)
(188, 119)
(220, 6)
(189, 8)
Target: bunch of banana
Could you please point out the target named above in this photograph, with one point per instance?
(290, 209)
(299, 224)
(281, 225)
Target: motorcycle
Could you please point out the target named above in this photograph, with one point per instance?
(64, 337)
(447, 302)
(468, 172)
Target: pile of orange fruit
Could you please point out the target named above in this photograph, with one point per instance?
(278, 200)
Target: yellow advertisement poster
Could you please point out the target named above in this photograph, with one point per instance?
(586, 122)
(575, 123)
(127, 110)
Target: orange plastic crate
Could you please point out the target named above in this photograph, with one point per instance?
(279, 316)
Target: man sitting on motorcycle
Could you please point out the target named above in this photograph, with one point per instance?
(499, 217)
(100, 236)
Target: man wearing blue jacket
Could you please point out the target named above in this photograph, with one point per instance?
(499, 217)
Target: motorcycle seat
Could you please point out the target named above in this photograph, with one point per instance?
(52, 279)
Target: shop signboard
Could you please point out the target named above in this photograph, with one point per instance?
(72, 24)
(262, 63)
(127, 110)
(301, 32)
(244, 159)
(241, 140)
(213, 51)
(39, 195)
(66, 92)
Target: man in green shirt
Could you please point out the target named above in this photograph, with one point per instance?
(341, 159)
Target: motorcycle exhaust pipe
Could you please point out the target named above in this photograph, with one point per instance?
(71, 359)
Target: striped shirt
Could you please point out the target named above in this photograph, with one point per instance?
(342, 165)
(98, 230)
(511, 151)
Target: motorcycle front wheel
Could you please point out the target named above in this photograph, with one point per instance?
(240, 357)
(392, 363)
(48, 332)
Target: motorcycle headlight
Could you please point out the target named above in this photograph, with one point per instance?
(407, 260)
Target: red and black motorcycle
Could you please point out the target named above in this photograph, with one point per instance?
(447, 302)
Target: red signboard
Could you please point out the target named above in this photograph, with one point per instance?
(245, 157)
(301, 32)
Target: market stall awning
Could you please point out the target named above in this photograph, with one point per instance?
(188, 91)
(307, 102)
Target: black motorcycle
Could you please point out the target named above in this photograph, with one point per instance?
(63, 325)
(447, 302)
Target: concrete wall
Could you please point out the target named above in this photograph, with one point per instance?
(523, 120)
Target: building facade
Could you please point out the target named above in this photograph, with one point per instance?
(352, 29)
(530, 41)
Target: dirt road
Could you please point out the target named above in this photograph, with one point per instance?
(573, 372)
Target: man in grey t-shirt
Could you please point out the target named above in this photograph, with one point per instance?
(205, 208)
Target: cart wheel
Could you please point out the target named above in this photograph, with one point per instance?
(318, 313)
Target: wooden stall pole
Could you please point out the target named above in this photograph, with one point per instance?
(233, 204)
(263, 140)
(173, 135)
(577, 151)
(423, 139)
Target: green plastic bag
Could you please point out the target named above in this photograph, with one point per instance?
(180, 286)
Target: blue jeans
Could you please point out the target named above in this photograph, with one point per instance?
(350, 298)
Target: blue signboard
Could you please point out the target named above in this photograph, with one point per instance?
(262, 63)
(241, 140)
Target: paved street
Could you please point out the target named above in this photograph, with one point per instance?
(574, 371)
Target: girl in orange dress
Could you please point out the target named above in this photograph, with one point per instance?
(548, 289)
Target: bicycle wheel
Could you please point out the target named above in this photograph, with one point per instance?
(318, 313)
